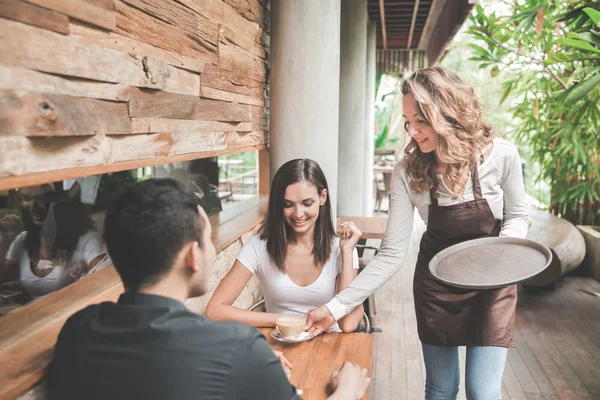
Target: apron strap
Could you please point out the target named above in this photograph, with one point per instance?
(475, 181)
(433, 195)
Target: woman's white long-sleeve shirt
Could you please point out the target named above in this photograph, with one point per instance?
(501, 180)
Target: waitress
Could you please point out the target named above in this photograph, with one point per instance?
(466, 184)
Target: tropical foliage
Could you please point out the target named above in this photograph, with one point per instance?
(386, 112)
(547, 55)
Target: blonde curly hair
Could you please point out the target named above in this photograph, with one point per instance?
(453, 110)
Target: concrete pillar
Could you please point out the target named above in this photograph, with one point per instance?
(353, 62)
(305, 73)
(370, 117)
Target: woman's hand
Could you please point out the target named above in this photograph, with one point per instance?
(349, 236)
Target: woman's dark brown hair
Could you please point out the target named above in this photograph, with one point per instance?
(276, 231)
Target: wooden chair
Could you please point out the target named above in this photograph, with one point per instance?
(370, 307)
(384, 186)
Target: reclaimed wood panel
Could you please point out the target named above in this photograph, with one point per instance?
(81, 10)
(34, 114)
(27, 80)
(154, 104)
(216, 94)
(105, 4)
(251, 10)
(258, 120)
(151, 125)
(62, 75)
(53, 154)
(217, 78)
(196, 26)
(238, 29)
(136, 24)
(112, 40)
(254, 47)
(264, 172)
(73, 172)
(30, 47)
(212, 9)
(30, 14)
(235, 59)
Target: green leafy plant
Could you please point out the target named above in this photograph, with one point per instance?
(547, 54)
(386, 106)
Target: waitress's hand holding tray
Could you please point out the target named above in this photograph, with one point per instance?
(490, 263)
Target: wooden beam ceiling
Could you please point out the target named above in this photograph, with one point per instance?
(383, 28)
(418, 24)
(412, 24)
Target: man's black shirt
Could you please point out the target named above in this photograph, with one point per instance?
(152, 347)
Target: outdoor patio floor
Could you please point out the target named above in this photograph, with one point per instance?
(557, 336)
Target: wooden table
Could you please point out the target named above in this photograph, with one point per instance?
(316, 359)
(371, 227)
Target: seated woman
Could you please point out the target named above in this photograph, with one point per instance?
(58, 246)
(297, 256)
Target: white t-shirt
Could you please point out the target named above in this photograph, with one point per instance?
(89, 246)
(282, 295)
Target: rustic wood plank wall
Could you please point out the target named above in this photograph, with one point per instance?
(95, 86)
(87, 83)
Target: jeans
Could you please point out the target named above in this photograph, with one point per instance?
(483, 375)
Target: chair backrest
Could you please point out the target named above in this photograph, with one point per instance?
(387, 181)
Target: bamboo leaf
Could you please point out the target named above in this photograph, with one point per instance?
(556, 58)
(580, 44)
(381, 138)
(478, 49)
(581, 89)
(507, 91)
(495, 71)
(586, 37)
(594, 15)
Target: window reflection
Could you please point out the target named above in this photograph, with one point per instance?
(57, 245)
(51, 234)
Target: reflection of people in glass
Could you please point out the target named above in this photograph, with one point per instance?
(58, 246)
(10, 226)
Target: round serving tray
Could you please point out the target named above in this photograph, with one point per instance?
(490, 263)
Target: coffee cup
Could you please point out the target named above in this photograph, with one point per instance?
(291, 326)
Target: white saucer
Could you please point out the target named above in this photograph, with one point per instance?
(304, 336)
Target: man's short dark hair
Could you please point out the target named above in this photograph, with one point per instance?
(147, 225)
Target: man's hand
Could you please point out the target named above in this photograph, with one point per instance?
(284, 361)
(318, 320)
(285, 364)
(350, 382)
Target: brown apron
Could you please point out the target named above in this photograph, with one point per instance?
(449, 316)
